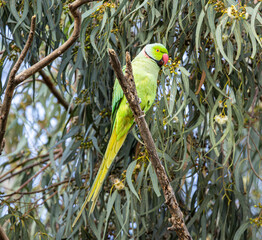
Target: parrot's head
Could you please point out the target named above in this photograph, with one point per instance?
(157, 52)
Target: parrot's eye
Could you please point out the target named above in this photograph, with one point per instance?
(157, 50)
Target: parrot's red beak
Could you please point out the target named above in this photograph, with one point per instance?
(165, 58)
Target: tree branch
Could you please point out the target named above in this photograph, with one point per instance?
(30, 179)
(53, 89)
(2, 234)
(5, 108)
(69, 180)
(248, 135)
(128, 85)
(15, 80)
(73, 7)
(58, 150)
(12, 174)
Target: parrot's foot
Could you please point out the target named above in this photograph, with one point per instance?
(139, 100)
(142, 116)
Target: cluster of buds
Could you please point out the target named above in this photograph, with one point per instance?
(238, 14)
(233, 12)
(173, 65)
(98, 14)
(66, 5)
(15, 50)
(86, 145)
(219, 6)
(114, 30)
(142, 158)
(104, 113)
(258, 220)
(84, 98)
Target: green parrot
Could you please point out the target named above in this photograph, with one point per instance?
(146, 66)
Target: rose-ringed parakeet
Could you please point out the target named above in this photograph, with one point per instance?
(146, 66)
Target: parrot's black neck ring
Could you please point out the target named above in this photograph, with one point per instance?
(159, 63)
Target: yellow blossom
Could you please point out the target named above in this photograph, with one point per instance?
(221, 119)
(231, 11)
(118, 184)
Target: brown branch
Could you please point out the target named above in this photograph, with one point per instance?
(43, 189)
(24, 169)
(3, 236)
(12, 84)
(15, 80)
(56, 53)
(48, 82)
(128, 85)
(35, 205)
(29, 160)
(30, 179)
(53, 90)
(2, 179)
(248, 135)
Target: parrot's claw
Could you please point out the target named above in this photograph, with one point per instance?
(142, 116)
(139, 100)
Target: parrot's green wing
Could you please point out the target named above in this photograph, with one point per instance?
(117, 97)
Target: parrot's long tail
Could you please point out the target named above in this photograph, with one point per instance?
(113, 147)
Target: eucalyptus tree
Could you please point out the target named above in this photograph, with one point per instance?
(206, 119)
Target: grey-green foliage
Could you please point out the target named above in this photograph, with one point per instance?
(216, 77)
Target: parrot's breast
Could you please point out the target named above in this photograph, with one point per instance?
(145, 73)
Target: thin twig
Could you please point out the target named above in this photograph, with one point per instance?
(258, 151)
(43, 189)
(248, 135)
(30, 179)
(128, 85)
(27, 161)
(55, 92)
(28, 167)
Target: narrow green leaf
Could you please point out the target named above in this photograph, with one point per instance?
(154, 180)
(129, 173)
(16, 14)
(92, 39)
(230, 50)
(219, 34)
(238, 38)
(253, 20)
(202, 207)
(198, 28)
(110, 204)
(241, 230)
(92, 10)
(252, 38)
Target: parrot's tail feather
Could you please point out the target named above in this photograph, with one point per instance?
(113, 147)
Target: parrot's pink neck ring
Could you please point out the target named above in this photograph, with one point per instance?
(160, 62)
